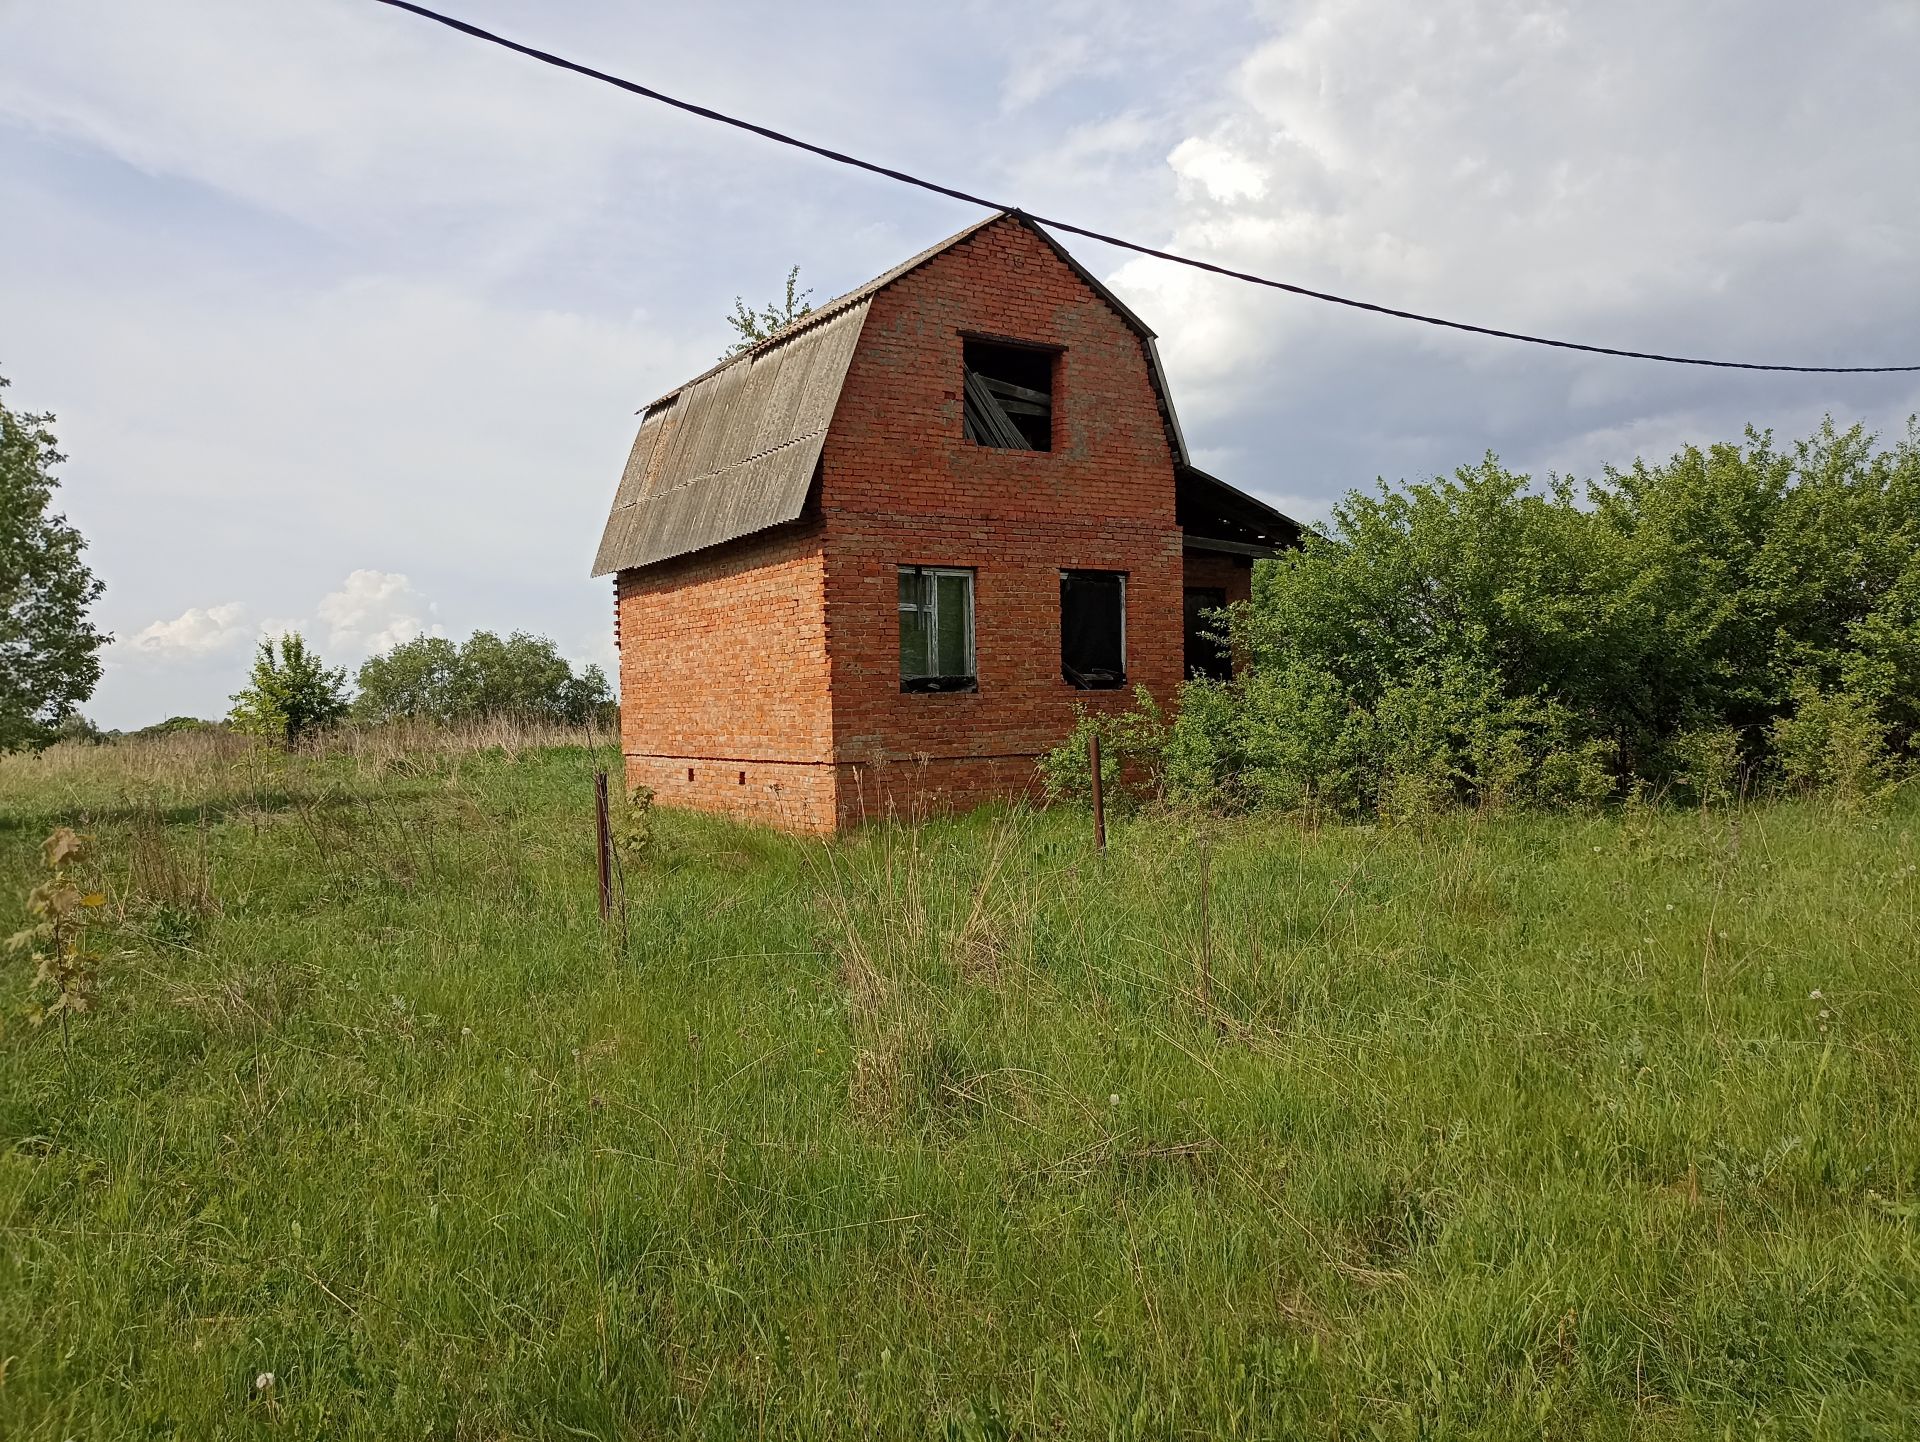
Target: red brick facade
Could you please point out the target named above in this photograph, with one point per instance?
(776, 658)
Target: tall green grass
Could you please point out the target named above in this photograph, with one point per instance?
(1494, 1128)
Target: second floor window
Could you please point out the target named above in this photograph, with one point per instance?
(1009, 396)
(936, 629)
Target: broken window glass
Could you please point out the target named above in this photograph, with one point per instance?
(936, 629)
(1009, 396)
(1093, 629)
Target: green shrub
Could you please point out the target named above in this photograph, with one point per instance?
(1480, 640)
(1832, 741)
(1132, 747)
(1706, 761)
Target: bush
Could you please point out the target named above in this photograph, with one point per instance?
(1132, 743)
(1480, 640)
(1834, 742)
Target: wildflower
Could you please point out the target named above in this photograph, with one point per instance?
(1669, 906)
(466, 1031)
(1816, 995)
(263, 1383)
(1113, 1100)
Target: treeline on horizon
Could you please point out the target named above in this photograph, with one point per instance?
(1741, 619)
(430, 679)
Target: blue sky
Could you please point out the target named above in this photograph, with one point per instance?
(345, 318)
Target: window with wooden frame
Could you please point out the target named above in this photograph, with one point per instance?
(1009, 395)
(1093, 629)
(936, 629)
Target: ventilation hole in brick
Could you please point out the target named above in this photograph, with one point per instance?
(689, 773)
(743, 778)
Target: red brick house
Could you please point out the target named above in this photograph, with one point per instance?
(874, 562)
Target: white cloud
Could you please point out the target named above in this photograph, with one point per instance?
(196, 632)
(1218, 169)
(339, 115)
(375, 611)
(370, 611)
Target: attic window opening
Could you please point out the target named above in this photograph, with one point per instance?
(1093, 629)
(1009, 395)
(936, 629)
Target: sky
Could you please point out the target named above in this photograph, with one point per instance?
(345, 317)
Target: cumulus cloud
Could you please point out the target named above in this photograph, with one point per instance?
(370, 611)
(196, 632)
(1223, 172)
(375, 611)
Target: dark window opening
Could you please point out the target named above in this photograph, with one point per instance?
(936, 629)
(1207, 654)
(1009, 396)
(689, 773)
(1093, 629)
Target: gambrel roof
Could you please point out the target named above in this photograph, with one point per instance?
(733, 451)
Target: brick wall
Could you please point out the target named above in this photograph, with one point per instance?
(778, 655)
(902, 486)
(1232, 574)
(723, 675)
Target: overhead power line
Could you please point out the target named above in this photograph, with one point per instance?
(766, 132)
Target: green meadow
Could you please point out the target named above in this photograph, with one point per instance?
(1500, 1126)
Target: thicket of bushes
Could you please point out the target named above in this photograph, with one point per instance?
(1737, 618)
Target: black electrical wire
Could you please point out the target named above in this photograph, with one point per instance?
(635, 88)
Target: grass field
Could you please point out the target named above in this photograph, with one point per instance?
(1506, 1127)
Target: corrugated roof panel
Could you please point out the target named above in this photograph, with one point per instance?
(822, 390)
(719, 442)
(633, 483)
(735, 452)
(779, 420)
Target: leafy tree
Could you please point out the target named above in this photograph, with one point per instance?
(521, 675)
(49, 660)
(289, 695)
(755, 326)
(413, 680)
